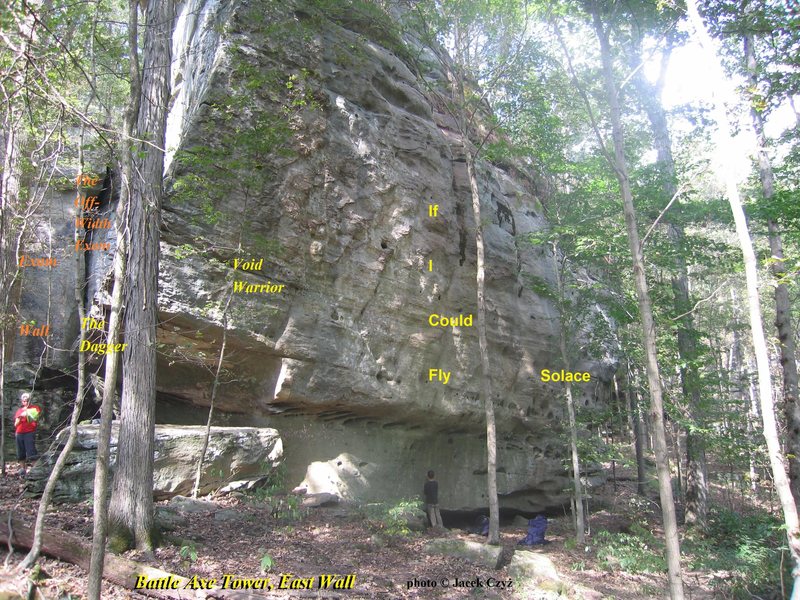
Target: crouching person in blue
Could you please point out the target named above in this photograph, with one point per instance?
(431, 492)
(537, 527)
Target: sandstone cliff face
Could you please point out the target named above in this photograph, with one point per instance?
(312, 137)
(339, 213)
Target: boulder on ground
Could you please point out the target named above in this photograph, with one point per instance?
(532, 565)
(233, 454)
(323, 499)
(168, 519)
(182, 504)
(345, 476)
(532, 572)
(477, 552)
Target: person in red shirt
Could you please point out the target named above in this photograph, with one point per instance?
(26, 420)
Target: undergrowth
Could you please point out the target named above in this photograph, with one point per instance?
(747, 548)
(745, 553)
(285, 507)
(391, 519)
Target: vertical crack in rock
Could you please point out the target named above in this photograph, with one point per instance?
(367, 149)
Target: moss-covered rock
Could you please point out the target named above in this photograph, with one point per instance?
(477, 552)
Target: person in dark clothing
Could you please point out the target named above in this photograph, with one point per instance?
(431, 491)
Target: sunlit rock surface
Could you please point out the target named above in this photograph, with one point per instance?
(347, 346)
(343, 360)
(233, 454)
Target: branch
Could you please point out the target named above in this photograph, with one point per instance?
(680, 191)
(75, 61)
(664, 61)
(74, 111)
(585, 97)
(699, 302)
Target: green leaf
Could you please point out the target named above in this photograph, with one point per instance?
(266, 563)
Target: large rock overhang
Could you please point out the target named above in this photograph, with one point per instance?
(343, 224)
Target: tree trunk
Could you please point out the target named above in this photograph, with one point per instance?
(580, 521)
(457, 80)
(12, 229)
(61, 461)
(696, 468)
(214, 388)
(486, 386)
(781, 480)
(101, 472)
(648, 326)
(752, 419)
(638, 435)
(131, 511)
(783, 307)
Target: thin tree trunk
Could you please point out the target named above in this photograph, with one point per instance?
(783, 307)
(101, 473)
(486, 387)
(580, 520)
(10, 230)
(131, 510)
(638, 434)
(676, 446)
(736, 389)
(696, 488)
(780, 478)
(460, 115)
(61, 461)
(648, 326)
(752, 419)
(122, 231)
(214, 388)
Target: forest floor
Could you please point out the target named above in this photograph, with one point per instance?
(343, 540)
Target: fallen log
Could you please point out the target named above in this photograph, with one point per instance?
(125, 573)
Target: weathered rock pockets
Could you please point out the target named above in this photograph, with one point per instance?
(313, 137)
(346, 210)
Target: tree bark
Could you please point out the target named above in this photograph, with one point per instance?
(214, 388)
(483, 345)
(783, 306)
(777, 463)
(101, 473)
(131, 511)
(696, 467)
(638, 433)
(12, 228)
(580, 520)
(648, 326)
(460, 115)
